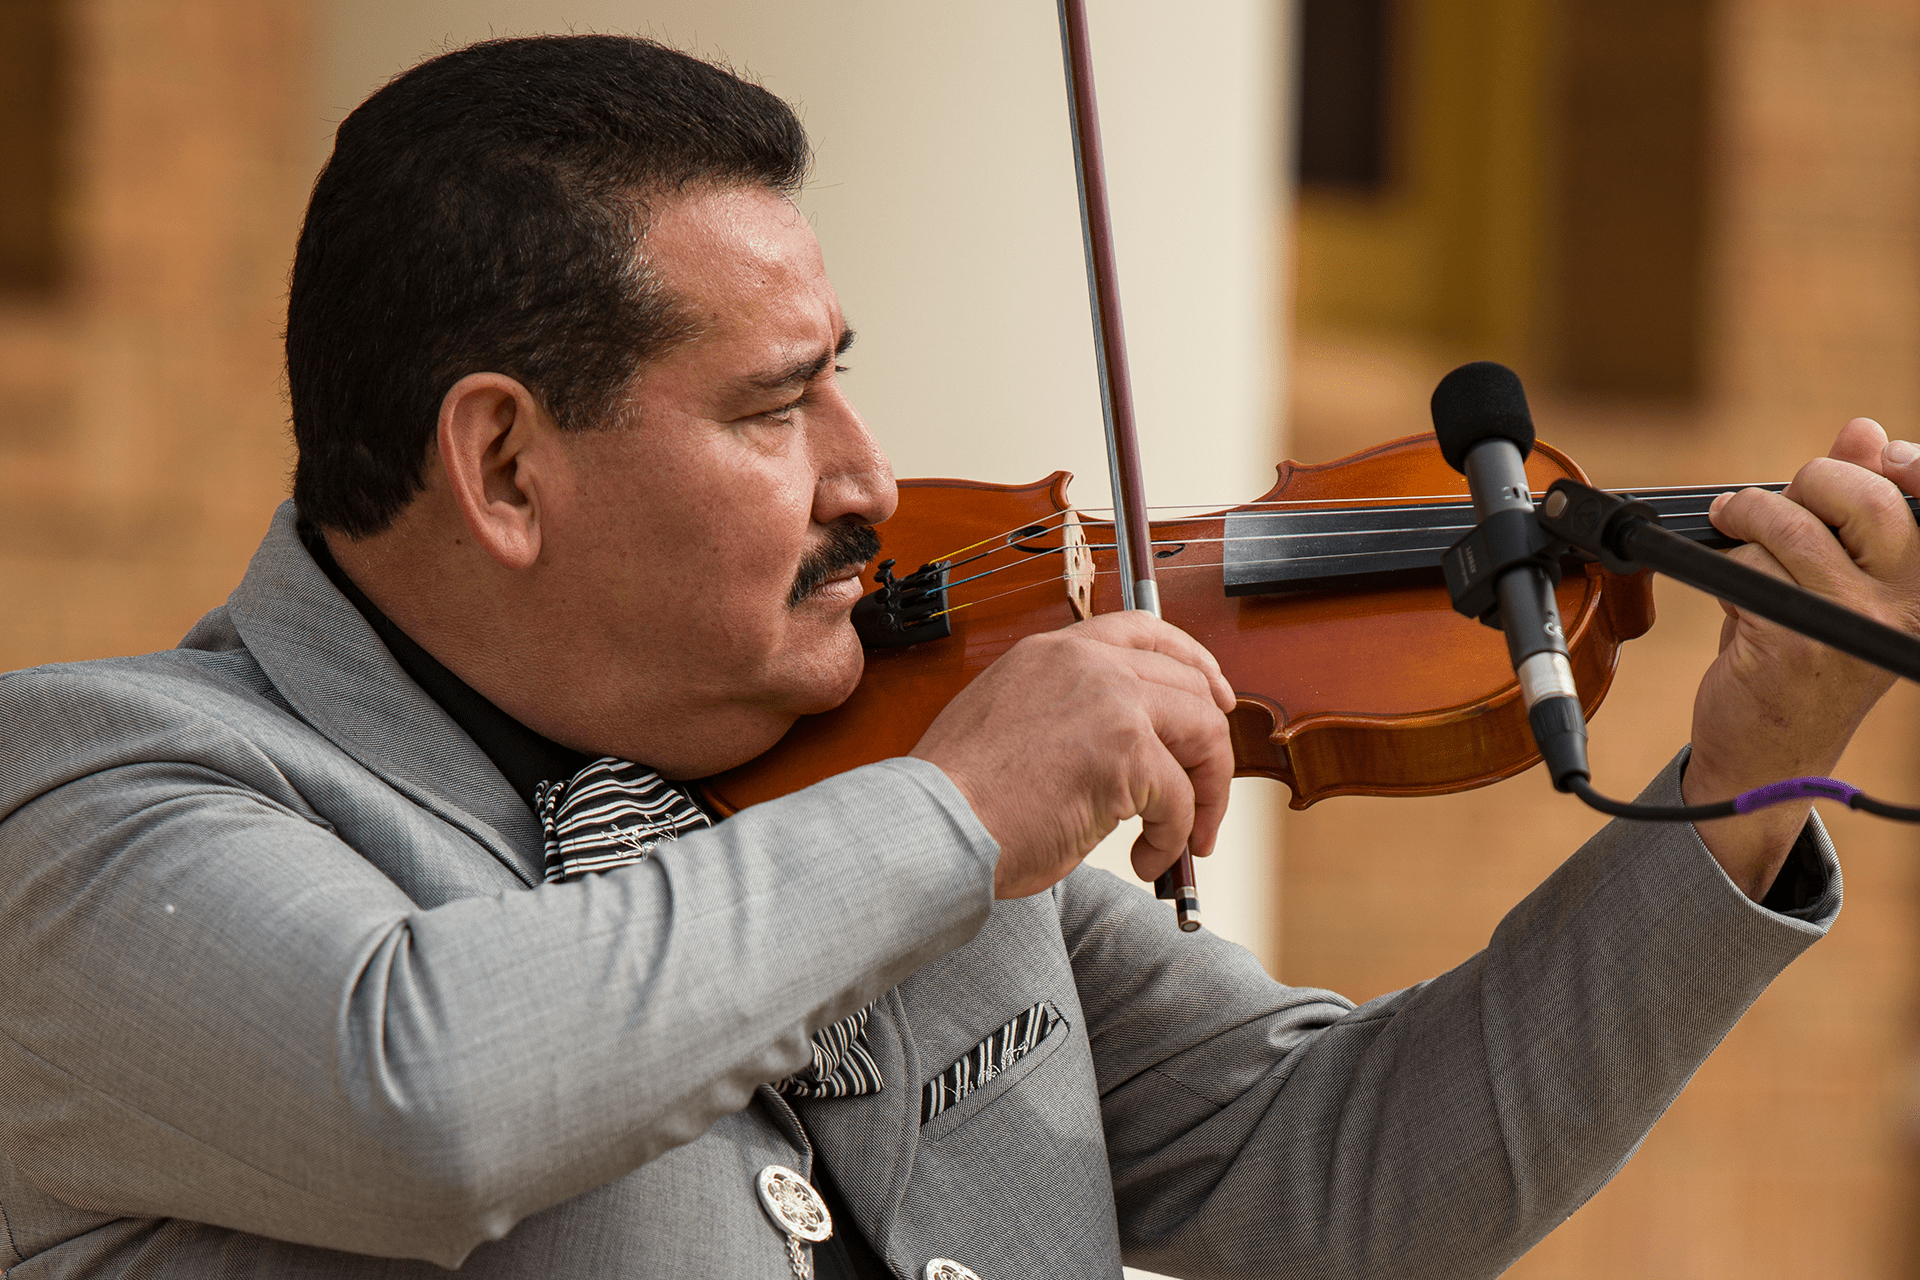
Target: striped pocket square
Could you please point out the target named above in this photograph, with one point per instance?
(987, 1059)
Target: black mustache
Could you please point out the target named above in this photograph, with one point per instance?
(846, 546)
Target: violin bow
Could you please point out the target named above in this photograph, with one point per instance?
(1134, 542)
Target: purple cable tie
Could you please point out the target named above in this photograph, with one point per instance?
(1794, 789)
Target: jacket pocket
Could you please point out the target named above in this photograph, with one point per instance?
(991, 1067)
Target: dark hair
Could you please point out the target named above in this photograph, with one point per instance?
(483, 212)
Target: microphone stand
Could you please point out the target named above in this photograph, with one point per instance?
(1626, 536)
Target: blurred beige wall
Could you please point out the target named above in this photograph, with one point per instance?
(943, 194)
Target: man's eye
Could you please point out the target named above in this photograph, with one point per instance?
(785, 412)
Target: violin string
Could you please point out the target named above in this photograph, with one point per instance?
(1437, 504)
(961, 582)
(1054, 578)
(1011, 591)
(1264, 562)
(1035, 529)
(1437, 499)
(1225, 541)
(1007, 541)
(1216, 564)
(1433, 501)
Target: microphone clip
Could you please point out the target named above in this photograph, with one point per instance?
(1504, 540)
(1595, 522)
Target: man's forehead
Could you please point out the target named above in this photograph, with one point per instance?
(745, 268)
(723, 244)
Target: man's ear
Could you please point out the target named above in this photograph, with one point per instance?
(490, 438)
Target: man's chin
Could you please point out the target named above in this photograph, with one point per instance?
(752, 727)
(832, 688)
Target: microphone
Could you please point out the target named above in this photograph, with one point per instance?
(1486, 432)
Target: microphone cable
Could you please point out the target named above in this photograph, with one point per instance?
(1773, 793)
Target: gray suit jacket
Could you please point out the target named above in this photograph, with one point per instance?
(280, 996)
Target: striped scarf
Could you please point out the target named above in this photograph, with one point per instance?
(614, 813)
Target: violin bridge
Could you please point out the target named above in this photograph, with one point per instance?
(1076, 568)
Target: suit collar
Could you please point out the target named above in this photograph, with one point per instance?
(526, 759)
(330, 666)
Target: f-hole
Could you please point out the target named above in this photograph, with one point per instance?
(1015, 538)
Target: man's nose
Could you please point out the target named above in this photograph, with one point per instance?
(855, 479)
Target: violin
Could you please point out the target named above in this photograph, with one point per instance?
(1323, 601)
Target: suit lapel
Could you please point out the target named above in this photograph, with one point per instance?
(868, 1142)
(333, 670)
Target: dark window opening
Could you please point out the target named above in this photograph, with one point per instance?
(1345, 86)
(32, 144)
(1634, 196)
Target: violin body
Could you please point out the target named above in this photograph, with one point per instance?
(1379, 689)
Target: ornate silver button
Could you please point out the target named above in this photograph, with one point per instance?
(793, 1204)
(946, 1269)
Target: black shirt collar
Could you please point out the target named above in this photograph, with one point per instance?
(525, 758)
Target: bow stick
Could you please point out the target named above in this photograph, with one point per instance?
(1131, 534)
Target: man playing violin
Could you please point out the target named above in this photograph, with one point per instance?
(368, 933)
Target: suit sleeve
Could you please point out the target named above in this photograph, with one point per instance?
(1258, 1129)
(214, 1009)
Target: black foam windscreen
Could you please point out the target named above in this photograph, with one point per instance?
(1476, 402)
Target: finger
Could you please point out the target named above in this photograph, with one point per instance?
(1832, 576)
(1865, 509)
(1199, 744)
(1864, 443)
(1137, 630)
(1181, 818)
(1755, 556)
(1149, 861)
(1860, 442)
(1167, 672)
(1212, 783)
(1179, 772)
(1195, 739)
(1794, 536)
(1159, 793)
(1162, 837)
(1765, 520)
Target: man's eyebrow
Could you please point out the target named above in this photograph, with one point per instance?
(802, 371)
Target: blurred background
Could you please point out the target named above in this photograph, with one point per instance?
(1694, 228)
